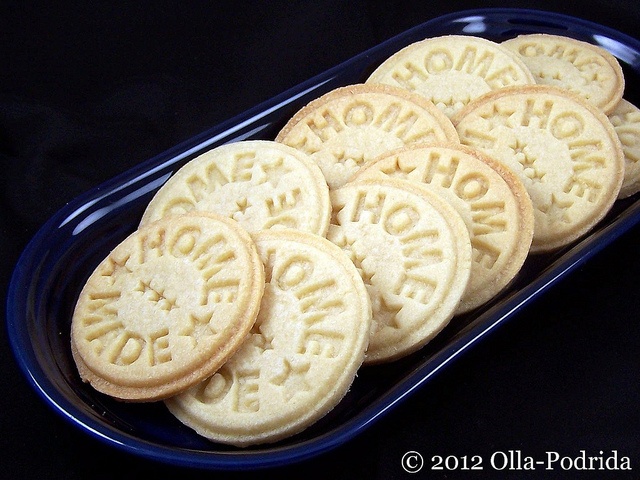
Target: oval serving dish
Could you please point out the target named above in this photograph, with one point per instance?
(55, 264)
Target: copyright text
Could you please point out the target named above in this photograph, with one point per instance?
(413, 461)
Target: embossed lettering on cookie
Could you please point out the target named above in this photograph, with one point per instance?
(302, 355)
(565, 150)
(350, 126)
(168, 306)
(452, 70)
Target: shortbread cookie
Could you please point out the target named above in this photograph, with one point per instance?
(349, 126)
(414, 254)
(167, 307)
(258, 183)
(626, 121)
(583, 68)
(565, 151)
(451, 70)
(302, 354)
(489, 197)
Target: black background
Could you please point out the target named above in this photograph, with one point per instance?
(88, 90)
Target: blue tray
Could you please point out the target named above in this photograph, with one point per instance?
(55, 264)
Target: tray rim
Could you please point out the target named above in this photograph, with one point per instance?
(465, 339)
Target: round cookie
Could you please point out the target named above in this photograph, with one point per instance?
(564, 150)
(450, 70)
(302, 354)
(489, 197)
(167, 307)
(626, 122)
(413, 252)
(585, 69)
(258, 183)
(349, 126)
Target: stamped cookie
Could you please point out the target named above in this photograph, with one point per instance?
(451, 70)
(258, 183)
(580, 67)
(414, 254)
(626, 121)
(167, 307)
(349, 126)
(489, 197)
(565, 151)
(302, 354)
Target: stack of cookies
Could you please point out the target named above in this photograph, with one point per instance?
(265, 273)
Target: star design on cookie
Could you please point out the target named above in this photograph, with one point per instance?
(156, 295)
(528, 161)
(387, 313)
(201, 324)
(498, 116)
(518, 149)
(350, 247)
(556, 210)
(242, 204)
(351, 157)
(554, 75)
(260, 339)
(271, 172)
(292, 378)
(534, 174)
(116, 268)
(359, 259)
(396, 169)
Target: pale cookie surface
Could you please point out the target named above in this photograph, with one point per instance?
(451, 70)
(490, 198)
(580, 67)
(414, 254)
(564, 150)
(258, 183)
(167, 307)
(626, 121)
(302, 355)
(349, 126)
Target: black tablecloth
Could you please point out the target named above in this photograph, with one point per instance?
(90, 89)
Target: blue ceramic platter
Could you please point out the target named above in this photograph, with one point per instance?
(55, 264)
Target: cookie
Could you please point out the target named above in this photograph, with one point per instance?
(349, 126)
(580, 67)
(451, 70)
(302, 354)
(489, 197)
(565, 151)
(167, 307)
(626, 122)
(413, 252)
(259, 183)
